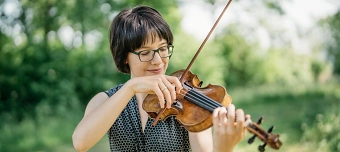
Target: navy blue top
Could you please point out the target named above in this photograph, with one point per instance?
(126, 132)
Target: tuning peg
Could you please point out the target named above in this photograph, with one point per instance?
(200, 84)
(260, 120)
(251, 140)
(271, 129)
(261, 147)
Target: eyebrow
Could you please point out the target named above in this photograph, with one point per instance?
(146, 47)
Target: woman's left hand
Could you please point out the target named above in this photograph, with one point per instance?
(228, 133)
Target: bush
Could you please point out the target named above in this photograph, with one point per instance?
(324, 135)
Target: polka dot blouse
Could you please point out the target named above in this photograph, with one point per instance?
(126, 132)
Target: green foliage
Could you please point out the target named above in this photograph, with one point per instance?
(246, 64)
(49, 130)
(38, 65)
(332, 25)
(282, 67)
(324, 135)
(274, 6)
(241, 60)
(233, 61)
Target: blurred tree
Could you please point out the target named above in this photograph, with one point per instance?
(241, 59)
(246, 64)
(324, 133)
(333, 24)
(58, 51)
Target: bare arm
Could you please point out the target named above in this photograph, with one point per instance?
(99, 116)
(201, 141)
(101, 112)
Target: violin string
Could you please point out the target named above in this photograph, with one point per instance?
(195, 101)
(201, 100)
(206, 100)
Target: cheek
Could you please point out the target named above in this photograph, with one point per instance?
(134, 66)
(137, 66)
(131, 62)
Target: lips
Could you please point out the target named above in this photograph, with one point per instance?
(158, 70)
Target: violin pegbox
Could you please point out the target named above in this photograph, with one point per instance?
(267, 137)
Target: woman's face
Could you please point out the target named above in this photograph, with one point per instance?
(156, 66)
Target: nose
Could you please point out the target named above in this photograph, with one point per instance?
(156, 58)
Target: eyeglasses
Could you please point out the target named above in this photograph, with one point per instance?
(147, 55)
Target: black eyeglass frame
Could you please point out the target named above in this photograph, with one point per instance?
(170, 49)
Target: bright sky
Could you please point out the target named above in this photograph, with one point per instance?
(300, 17)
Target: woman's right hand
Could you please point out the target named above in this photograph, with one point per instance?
(165, 87)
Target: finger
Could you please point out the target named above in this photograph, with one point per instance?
(215, 117)
(175, 81)
(160, 96)
(171, 88)
(165, 91)
(231, 99)
(247, 116)
(223, 117)
(247, 120)
(231, 115)
(244, 133)
(239, 119)
(168, 98)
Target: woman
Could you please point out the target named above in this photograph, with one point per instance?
(141, 45)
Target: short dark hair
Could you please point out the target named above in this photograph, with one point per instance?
(130, 30)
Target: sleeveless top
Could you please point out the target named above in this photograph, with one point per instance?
(126, 132)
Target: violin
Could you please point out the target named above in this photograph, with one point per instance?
(194, 105)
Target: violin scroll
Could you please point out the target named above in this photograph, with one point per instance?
(267, 137)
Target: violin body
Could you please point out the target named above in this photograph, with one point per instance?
(194, 105)
(193, 117)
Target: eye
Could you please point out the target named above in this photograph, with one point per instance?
(144, 52)
(163, 48)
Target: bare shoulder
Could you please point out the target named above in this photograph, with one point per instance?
(97, 100)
